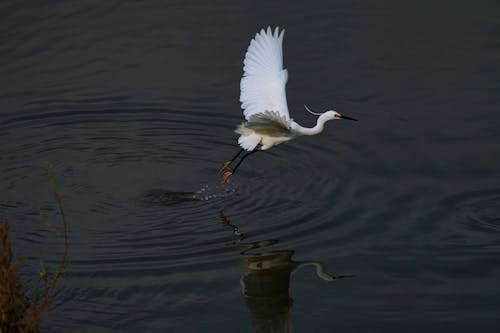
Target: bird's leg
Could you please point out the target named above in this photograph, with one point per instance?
(243, 158)
(228, 163)
(228, 174)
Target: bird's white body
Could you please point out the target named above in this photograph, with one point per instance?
(268, 129)
(263, 96)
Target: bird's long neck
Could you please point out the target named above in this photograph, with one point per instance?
(320, 124)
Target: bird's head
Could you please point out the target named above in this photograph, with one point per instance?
(330, 115)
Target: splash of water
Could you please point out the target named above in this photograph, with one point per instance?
(209, 192)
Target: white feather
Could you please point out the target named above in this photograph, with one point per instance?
(249, 141)
(264, 79)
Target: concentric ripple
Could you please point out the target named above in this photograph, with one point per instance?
(141, 187)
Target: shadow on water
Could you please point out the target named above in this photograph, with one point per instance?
(265, 274)
(165, 197)
(265, 281)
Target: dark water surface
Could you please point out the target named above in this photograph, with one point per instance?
(134, 104)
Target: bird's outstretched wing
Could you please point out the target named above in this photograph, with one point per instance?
(264, 79)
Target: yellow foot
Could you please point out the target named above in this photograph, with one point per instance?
(225, 177)
(225, 166)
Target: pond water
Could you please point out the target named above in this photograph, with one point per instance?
(387, 224)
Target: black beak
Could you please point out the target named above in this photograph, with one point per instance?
(346, 117)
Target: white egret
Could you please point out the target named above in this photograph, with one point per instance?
(263, 99)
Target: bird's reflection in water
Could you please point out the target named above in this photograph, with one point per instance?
(265, 282)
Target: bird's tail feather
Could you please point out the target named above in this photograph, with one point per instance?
(249, 142)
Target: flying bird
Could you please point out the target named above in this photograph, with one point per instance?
(263, 100)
